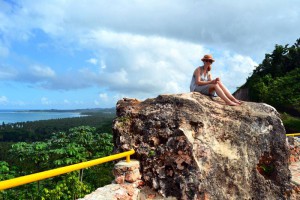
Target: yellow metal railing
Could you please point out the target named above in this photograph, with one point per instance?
(62, 170)
(293, 134)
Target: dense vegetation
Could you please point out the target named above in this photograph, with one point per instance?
(60, 148)
(276, 81)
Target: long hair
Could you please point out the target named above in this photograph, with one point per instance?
(209, 68)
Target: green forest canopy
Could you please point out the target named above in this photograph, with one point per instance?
(276, 81)
(62, 148)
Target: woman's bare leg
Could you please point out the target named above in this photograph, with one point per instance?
(220, 93)
(227, 93)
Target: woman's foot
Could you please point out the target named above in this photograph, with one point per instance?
(232, 104)
(237, 101)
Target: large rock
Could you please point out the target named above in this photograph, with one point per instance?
(191, 147)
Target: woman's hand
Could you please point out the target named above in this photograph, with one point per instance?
(215, 81)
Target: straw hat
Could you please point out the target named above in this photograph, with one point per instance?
(208, 57)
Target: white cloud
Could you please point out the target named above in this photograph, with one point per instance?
(103, 100)
(45, 101)
(19, 103)
(246, 27)
(97, 103)
(153, 65)
(103, 65)
(7, 72)
(3, 100)
(42, 72)
(36, 75)
(4, 51)
(233, 69)
(79, 102)
(93, 61)
(103, 97)
(150, 47)
(66, 101)
(148, 65)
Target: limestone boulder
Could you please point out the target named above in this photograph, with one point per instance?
(192, 147)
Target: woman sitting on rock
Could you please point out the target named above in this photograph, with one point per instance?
(202, 82)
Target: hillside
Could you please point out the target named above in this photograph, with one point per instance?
(276, 81)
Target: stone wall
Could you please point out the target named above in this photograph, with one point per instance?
(126, 185)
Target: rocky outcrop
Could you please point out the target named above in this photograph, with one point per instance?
(192, 147)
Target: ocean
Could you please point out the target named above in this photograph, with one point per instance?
(13, 116)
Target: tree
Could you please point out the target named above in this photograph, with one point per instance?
(64, 148)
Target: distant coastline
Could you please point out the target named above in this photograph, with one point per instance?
(15, 116)
(59, 110)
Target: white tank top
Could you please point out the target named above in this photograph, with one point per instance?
(193, 81)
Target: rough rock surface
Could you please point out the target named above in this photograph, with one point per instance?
(294, 146)
(191, 147)
(126, 191)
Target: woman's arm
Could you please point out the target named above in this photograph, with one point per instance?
(213, 81)
(209, 76)
(198, 78)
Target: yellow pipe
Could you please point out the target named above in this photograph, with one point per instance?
(62, 170)
(293, 134)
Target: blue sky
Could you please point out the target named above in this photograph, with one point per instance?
(67, 54)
